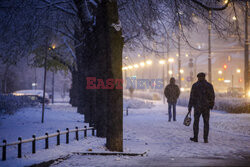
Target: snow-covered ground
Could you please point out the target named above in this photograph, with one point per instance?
(146, 129)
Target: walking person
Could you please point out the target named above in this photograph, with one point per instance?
(202, 99)
(172, 92)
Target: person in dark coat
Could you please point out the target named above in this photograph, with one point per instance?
(172, 92)
(202, 99)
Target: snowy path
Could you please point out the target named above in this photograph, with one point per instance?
(229, 134)
(166, 143)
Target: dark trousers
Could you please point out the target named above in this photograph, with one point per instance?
(205, 115)
(170, 113)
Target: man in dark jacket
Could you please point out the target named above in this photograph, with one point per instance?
(172, 92)
(202, 99)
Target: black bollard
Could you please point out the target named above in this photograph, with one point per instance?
(67, 136)
(4, 150)
(34, 144)
(19, 150)
(58, 138)
(47, 141)
(85, 131)
(77, 138)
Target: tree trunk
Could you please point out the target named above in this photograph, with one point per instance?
(114, 43)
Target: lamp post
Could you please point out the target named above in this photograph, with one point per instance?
(149, 63)
(171, 61)
(246, 72)
(209, 48)
(162, 62)
(45, 76)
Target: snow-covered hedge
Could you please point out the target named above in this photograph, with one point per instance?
(10, 103)
(135, 103)
(144, 95)
(228, 104)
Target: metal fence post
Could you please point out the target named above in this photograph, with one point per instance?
(4, 150)
(19, 150)
(85, 131)
(34, 144)
(127, 111)
(77, 138)
(67, 136)
(93, 132)
(47, 141)
(58, 137)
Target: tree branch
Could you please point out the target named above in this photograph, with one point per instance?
(210, 7)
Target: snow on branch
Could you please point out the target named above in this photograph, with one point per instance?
(55, 4)
(70, 50)
(93, 3)
(117, 26)
(210, 7)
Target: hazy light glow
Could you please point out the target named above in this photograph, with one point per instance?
(53, 46)
(186, 55)
(130, 67)
(142, 64)
(162, 62)
(170, 60)
(139, 55)
(227, 81)
(220, 72)
(170, 72)
(149, 62)
(248, 93)
(136, 66)
(181, 71)
(182, 89)
(34, 84)
(124, 68)
(238, 70)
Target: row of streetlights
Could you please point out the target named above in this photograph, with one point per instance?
(150, 62)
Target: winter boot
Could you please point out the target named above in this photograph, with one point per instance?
(193, 139)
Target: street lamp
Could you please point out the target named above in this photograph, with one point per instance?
(149, 62)
(238, 70)
(130, 67)
(171, 60)
(220, 72)
(53, 46)
(142, 64)
(162, 62)
(124, 68)
(136, 66)
(181, 71)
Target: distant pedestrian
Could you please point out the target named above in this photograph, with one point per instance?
(172, 92)
(202, 99)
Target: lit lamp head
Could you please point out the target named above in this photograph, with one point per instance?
(142, 64)
(149, 62)
(162, 62)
